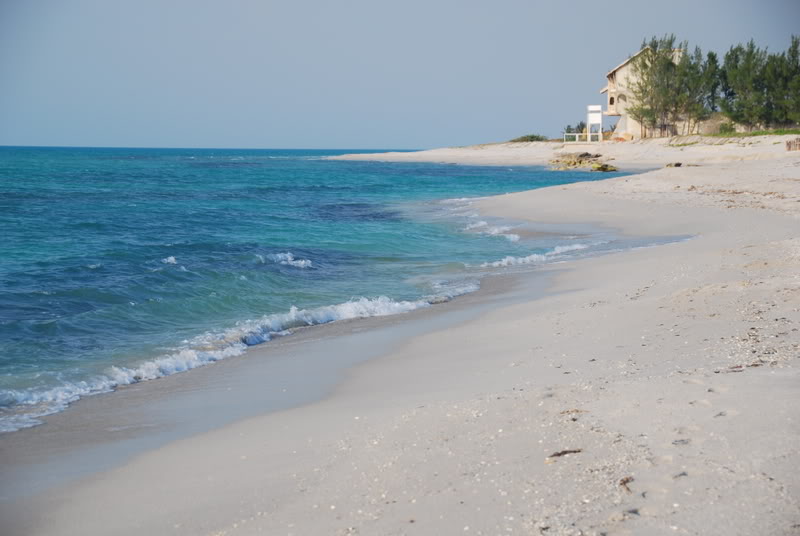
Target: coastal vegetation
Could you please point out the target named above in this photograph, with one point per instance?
(578, 128)
(772, 132)
(675, 89)
(529, 137)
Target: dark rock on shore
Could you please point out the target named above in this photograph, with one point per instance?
(591, 161)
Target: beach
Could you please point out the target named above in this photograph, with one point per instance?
(644, 154)
(649, 391)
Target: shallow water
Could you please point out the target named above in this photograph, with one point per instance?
(121, 265)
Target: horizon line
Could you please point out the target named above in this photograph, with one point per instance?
(211, 148)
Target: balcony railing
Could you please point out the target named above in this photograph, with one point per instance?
(582, 137)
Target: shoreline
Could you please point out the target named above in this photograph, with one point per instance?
(638, 156)
(291, 322)
(205, 342)
(455, 427)
(110, 420)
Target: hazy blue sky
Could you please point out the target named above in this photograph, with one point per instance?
(335, 74)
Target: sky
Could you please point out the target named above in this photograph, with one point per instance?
(333, 74)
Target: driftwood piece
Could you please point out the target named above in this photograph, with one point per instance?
(564, 453)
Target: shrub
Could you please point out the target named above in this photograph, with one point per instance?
(727, 128)
(771, 132)
(530, 137)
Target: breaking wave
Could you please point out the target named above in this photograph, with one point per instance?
(22, 408)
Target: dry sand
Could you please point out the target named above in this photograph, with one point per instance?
(638, 155)
(670, 373)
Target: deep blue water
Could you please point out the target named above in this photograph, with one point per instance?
(119, 265)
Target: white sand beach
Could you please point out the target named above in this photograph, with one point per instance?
(643, 154)
(652, 391)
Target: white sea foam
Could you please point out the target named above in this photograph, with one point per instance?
(483, 227)
(169, 260)
(536, 258)
(498, 230)
(513, 261)
(447, 289)
(503, 231)
(287, 259)
(199, 351)
(572, 247)
(458, 200)
(475, 225)
(460, 206)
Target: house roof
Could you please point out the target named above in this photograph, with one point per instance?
(676, 56)
(624, 63)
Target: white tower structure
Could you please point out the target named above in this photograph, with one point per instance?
(594, 122)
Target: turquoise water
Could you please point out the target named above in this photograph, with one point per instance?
(122, 265)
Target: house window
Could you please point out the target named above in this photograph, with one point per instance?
(611, 101)
(622, 98)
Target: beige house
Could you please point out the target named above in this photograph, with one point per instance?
(617, 91)
(619, 99)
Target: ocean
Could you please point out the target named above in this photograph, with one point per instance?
(125, 265)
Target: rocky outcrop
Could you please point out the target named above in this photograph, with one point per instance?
(588, 161)
(603, 167)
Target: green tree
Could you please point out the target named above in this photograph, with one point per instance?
(793, 65)
(711, 81)
(654, 86)
(641, 107)
(781, 86)
(742, 85)
(775, 79)
(670, 86)
(688, 103)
